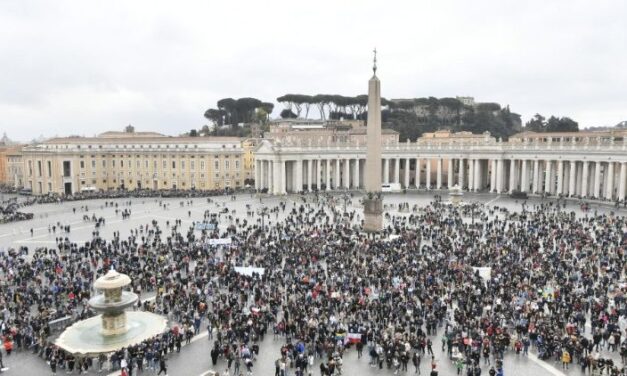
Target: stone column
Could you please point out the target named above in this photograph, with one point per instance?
(560, 177)
(524, 179)
(338, 177)
(269, 177)
(428, 174)
(356, 174)
(512, 175)
(493, 176)
(461, 173)
(275, 174)
(500, 168)
(535, 177)
(397, 168)
(347, 173)
(450, 181)
(417, 173)
(407, 164)
(309, 174)
(327, 174)
(257, 172)
(597, 180)
(478, 175)
(609, 190)
(386, 171)
(547, 179)
(299, 175)
(584, 180)
(578, 178)
(319, 175)
(439, 174)
(471, 175)
(621, 182)
(283, 177)
(572, 178)
(261, 174)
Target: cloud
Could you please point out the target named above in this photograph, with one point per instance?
(85, 67)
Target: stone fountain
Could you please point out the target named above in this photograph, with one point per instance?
(114, 328)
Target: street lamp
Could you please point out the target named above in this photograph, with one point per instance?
(345, 197)
(263, 211)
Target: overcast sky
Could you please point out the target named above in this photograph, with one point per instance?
(84, 67)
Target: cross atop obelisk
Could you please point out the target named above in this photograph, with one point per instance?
(374, 65)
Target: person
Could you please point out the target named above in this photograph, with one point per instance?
(163, 366)
(416, 361)
(53, 365)
(565, 359)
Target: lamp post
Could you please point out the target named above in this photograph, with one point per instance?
(262, 211)
(345, 197)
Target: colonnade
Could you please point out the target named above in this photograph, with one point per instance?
(585, 178)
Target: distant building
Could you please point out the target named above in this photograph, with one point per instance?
(136, 160)
(11, 166)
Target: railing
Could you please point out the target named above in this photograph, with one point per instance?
(485, 146)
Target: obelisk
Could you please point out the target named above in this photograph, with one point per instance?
(373, 203)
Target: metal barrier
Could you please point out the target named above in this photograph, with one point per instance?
(60, 323)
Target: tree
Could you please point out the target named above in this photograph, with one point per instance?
(536, 124)
(193, 133)
(129, 129)
(267, 107)
(288, 114)
(228, 106)
(215, 116)
(564, 124)
(205, 131)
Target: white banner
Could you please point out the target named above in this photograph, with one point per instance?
(249, 270)
(225, 241)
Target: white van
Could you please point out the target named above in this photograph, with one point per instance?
(391, 187)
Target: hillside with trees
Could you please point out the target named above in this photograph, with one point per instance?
(410, 117)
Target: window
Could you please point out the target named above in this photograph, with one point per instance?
(113, 163)
(237, 165)
(192, 165)
(182, 165)
(66, 169)
(216, 165)
(122, 163)
(146, 164)
(30, 168)
(165, 164)
(173, 164)
(104, 163)
(39, 170)
(154, 165)
(227, 164)
(93, 163)
(49, 169)
(202, 165)
(138, 164)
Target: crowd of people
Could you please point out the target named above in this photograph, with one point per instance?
(9, 212)
(480, 281)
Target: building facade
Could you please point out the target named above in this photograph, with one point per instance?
(11, 166)
(138, 160)
(579, 164)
